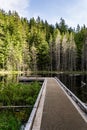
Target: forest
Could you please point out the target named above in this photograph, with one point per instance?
(36, 45)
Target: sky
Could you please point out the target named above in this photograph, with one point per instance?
(72, 11)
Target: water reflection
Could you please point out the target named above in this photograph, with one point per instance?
(5, 79)
(13, 117)
(76, 83)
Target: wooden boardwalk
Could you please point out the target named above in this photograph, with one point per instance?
(59, 113)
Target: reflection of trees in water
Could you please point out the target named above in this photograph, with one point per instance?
(5, 79)
(77, 84)
(84, 88)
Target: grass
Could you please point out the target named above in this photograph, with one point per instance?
(16, 94)
(8, 121)
(19, 93)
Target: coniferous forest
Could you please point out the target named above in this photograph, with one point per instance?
(36, 45)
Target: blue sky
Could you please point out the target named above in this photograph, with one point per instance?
(72, 11)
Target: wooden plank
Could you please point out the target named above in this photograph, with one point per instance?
(59, 113)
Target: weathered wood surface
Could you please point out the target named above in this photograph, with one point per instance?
(27, 79)
(26, 106)
(58, 112)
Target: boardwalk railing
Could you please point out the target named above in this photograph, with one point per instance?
(33, 113)
(76, 99)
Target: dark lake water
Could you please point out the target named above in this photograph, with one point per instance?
(21, 114)
(75, 82)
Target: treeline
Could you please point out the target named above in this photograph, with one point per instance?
(37, 45)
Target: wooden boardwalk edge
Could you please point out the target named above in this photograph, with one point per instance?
(76, 105)
(59, 113)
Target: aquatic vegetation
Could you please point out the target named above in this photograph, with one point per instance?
(16, 94)
(19, 93)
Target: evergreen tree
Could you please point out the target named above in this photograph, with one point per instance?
(37, 45)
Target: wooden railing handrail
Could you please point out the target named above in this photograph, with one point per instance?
(73, 96)
(33, 113)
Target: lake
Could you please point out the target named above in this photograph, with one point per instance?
(16, 117)
(77, 83)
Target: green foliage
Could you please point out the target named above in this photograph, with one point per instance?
(13, 37)
(20, 37)
(43, 56)
(8, 121)
(19, 94)
(62, 26)
(80, 37)
(16, 94)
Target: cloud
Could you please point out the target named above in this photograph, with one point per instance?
(21, 6)
(73, 12)
(77, 14)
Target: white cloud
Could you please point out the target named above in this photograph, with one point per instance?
(77, 14)
(21, 6)
(74, 12)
